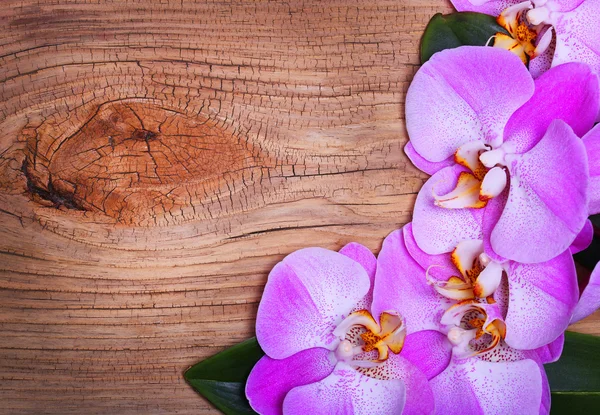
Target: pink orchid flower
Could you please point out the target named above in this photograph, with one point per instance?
(331, 348)
(487, 373)
(508, 165)
(532, 24)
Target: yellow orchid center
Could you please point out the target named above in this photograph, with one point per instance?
(479, 275)
(485, 179)
(472, 331)
(528, 28)
(364, 342)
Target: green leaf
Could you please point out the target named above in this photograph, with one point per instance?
(222, 378)
(575, 378)
(457, 29)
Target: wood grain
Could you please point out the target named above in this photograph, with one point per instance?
(157, 158)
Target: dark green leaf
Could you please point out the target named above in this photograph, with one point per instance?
(222, 378)
(457, 29)
(578, 369)
(575, 403)
(575, 378)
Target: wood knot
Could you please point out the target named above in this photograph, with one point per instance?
(134, 162)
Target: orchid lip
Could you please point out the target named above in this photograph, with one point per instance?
(383, 337)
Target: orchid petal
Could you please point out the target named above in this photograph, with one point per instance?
(592, 146)
(346, 391)
(542, 62)
(568, 92)
(590, 298)
(542, 298)
(439, 266)
(551, 352)
(488, 280)
(491, 216)
(400, 285)
(465, 194)
(474, 387)
(419, 396)
(428, 350)
(583, 239)
(465, 254)
(493, 7)
(443, 108)
(364, 257)
(306, 296)
(423, 164)
(271, 379)
(577, 36)
(547, 203)
(438, 230)
(493, 183)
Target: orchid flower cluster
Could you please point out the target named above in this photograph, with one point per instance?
(462, 307)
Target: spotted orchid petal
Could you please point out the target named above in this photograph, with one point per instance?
(306, 296)
(590, 298)
(583, 239)
(592, 146)
(272, 379)
(445, 109)
(347, 392)
(400, 285)
(493, 7)
(568, 92)
(542, 298)
(364, 257)
(419, 397)
(547, 203)
(543, 62)
(475, 387)
(438, 230)
(577, 37)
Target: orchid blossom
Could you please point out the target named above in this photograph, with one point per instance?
(592, 146)
(486, 374)
(508, 165)
(330, 347)
(532, 25)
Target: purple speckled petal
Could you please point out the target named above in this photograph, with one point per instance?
(543, 62)
(592, 147)
(567, 92)
(551, 352)
(364, 257)
(542, 298)
(423, 164)
(419, 397)
(461, 95)
(271, 379)
(577, 37)
(347, 392)
(547, 203)
(493, 7)
(491, 216)
(306, 296)
(400, 285)
(476, 387)
(428, 350)
(590, 298)
(583, 239)
(438, 230)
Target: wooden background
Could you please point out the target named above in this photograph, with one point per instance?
(157, 158)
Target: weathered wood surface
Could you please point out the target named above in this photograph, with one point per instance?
(158, 158)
